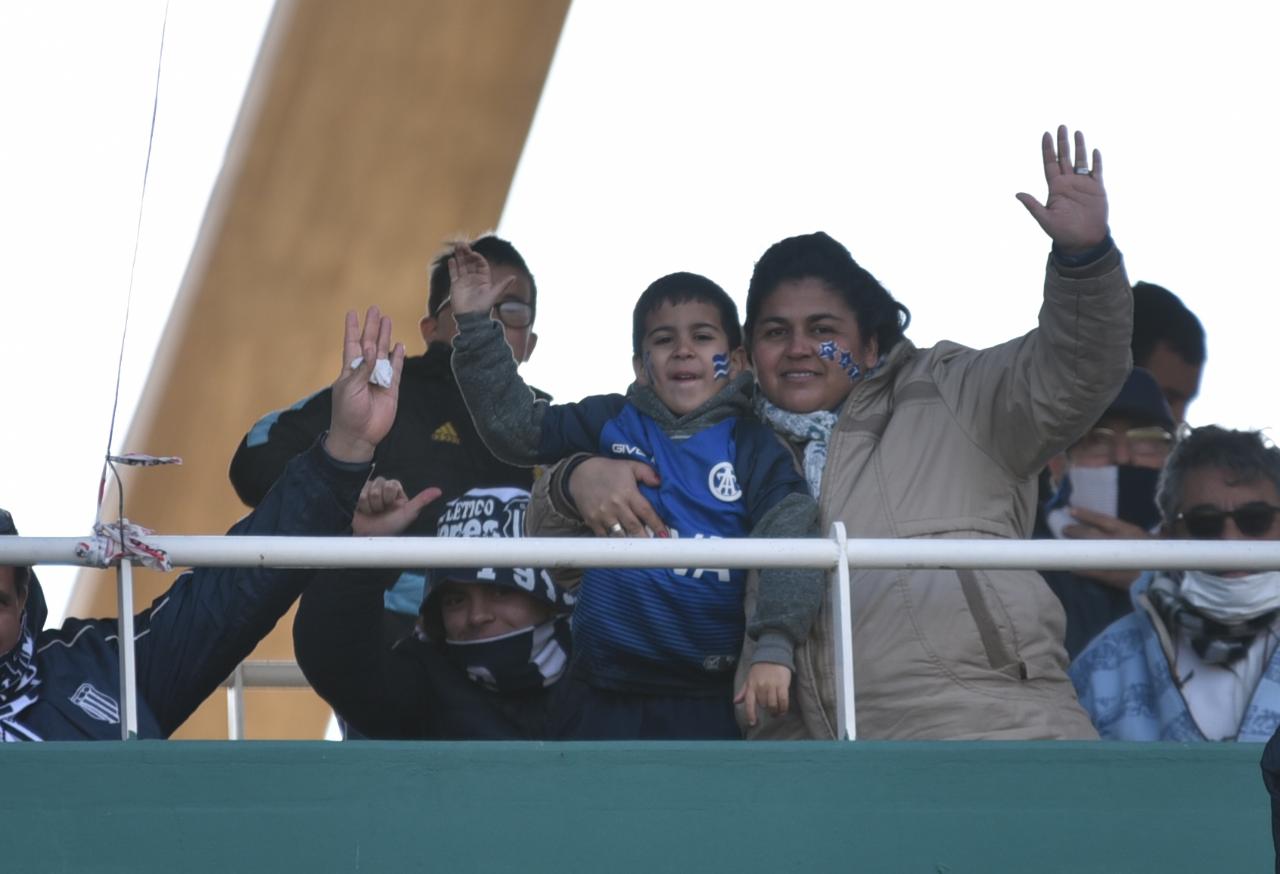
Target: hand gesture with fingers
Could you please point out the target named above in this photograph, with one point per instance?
(363, 411)
(385, 509)
(768, 686)
(470, 288)
(1074, 215)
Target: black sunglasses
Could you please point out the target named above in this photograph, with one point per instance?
(1253, 519)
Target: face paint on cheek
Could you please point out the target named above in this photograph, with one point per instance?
(829, 351)
(647, 363)
(721, 365)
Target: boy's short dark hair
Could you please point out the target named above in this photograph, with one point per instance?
(677, 288)
(497, 251)
(1159, 316)
(819, 256)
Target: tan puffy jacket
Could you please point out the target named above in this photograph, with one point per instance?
(948, 442)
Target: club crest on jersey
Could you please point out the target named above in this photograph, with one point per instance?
(99, 705)
(723, 482)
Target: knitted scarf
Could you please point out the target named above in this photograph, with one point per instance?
(811, 429)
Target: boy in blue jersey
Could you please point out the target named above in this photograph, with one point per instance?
(657, 648)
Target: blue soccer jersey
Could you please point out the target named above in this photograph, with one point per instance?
(658, 628)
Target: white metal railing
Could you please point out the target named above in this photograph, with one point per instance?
(835, 555)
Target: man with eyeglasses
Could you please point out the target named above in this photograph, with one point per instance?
(1106, 489)
(1197, 659)
(433, 442)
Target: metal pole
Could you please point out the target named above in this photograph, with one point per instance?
(128, 661)
(235, 704)
(842, 619)
(557, 552)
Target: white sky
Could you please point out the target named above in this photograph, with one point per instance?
(671, 136)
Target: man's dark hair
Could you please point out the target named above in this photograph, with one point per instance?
(678, 288)
(1243, 454)
(1159, 315)
(497, 251)
(818, 256)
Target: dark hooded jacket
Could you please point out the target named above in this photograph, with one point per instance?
(192, 637)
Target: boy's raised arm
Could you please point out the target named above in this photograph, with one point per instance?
(516, 426)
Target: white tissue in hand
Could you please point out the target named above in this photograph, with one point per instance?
(381, 371)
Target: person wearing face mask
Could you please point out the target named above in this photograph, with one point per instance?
(487, 656)
(1106, 488)
(1197, 659)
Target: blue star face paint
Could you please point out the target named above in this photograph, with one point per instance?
(829, 350)
(720, 363)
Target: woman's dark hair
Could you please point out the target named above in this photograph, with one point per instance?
(818, 256)
(497, 251)
(677, 288)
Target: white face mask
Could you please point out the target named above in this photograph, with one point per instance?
(1232, 599)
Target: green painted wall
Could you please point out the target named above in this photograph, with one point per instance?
(938, 808)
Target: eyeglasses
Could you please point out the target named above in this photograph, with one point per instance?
(1150, 445)
(1253, 520)
(512, 313)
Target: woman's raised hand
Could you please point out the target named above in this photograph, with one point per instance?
(1074, 215)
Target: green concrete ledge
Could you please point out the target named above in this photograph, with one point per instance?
(931, 808)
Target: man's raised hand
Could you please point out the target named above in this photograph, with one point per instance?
(363, 411)
(470, 288)
(1074, 215)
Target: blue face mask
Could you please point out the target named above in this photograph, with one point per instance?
(530, 658)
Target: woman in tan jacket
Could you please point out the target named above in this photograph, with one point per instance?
(897, 441)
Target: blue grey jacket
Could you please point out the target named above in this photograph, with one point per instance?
(194, 635)
(1125, 680)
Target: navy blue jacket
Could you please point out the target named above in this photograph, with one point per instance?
(195, 634)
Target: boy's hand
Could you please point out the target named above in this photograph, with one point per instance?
(769, 686)
(470, 290)
(384, 509)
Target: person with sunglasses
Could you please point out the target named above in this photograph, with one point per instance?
(1198, 657)
(432, 442)
(1106, 489)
